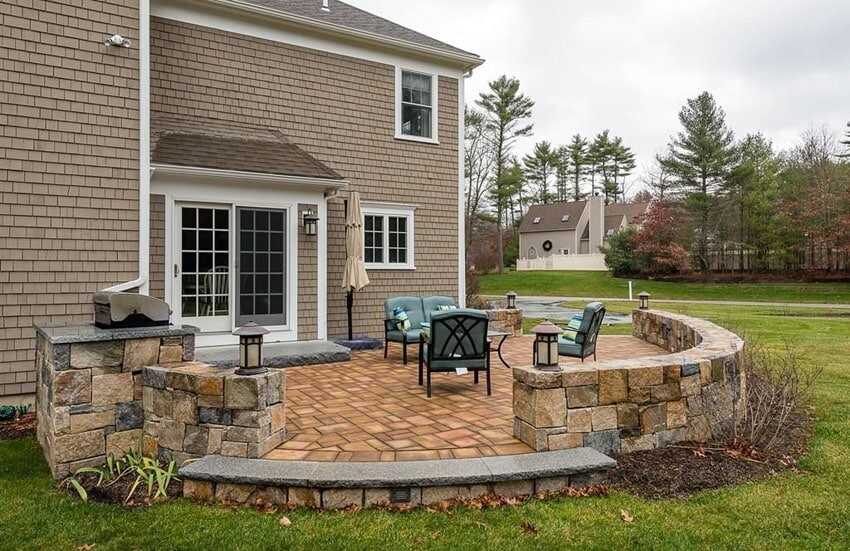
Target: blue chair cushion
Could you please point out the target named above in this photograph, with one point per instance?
(569, 348)
(572, 327)
(411, 305)
(397, 336)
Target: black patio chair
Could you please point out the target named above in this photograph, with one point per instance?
(455, 339)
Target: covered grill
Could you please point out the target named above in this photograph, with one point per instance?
(113, 310)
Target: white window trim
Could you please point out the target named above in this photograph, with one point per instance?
(435, 102)
(406, 211)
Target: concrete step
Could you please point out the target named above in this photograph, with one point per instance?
(446, 472)
(279, 354)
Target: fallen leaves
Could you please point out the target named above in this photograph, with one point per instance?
(284, 521)
(529, 528)
(626, 516)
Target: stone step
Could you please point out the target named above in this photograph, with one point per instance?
(279, 354)
(399, 474)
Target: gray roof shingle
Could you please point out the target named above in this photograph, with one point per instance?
(346, 15)
(551, 217)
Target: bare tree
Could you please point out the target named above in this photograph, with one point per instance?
(478, 167)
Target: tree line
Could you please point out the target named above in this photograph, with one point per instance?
(728, 204)
(500, 185)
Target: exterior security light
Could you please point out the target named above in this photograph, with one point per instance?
(117, 40)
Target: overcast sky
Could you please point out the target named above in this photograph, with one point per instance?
(778, 66)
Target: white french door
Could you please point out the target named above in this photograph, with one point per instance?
(202, 266)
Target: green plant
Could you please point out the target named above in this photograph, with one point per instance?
(22, 410)
(7, 413)
(147, 471)
(620, 254)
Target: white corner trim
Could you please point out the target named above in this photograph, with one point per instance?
(461, 196)
(435, 105)
(322, 273)
(142, 281)
(325, 183)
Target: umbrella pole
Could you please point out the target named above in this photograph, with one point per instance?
(349, 302)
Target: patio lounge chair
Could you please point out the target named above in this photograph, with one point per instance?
(583, 344)
(418, 310)
(455, 339)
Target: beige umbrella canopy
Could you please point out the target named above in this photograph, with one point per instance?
(354, 277)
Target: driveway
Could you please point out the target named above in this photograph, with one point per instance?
(550, 308)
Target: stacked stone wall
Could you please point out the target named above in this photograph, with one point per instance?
(692, 394)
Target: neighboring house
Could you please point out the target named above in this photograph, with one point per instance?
(183, 165)
(567, 236)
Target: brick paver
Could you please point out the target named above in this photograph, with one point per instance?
(372, 409)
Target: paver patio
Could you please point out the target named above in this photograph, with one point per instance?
(372, 409)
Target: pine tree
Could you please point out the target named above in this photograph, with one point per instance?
(623, 162)
(599, 155)
(846, 143)
(700, 157)
(539, 167)
(577, 160)
(507, 112)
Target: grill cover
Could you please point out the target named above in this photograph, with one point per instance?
(129, 310)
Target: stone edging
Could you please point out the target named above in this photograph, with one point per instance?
(339, 484)
(641, 403)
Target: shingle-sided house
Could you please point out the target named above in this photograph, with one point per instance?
(567, 236)
(181, 162)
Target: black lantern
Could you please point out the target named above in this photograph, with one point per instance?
(311, 222)
(251, 349)
(510, 299)
(546, 346)
(643, 297)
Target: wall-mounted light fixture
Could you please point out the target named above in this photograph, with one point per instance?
(311, 222)
(117, 40)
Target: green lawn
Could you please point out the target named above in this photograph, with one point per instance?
(603, 285)
(810, 510)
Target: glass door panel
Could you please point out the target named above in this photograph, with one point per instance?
(203, 267)
(261, 287)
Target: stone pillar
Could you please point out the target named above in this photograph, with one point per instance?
(194, 409)
(89, 389)
(509, 321)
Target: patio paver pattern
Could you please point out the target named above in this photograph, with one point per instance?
(372, 409)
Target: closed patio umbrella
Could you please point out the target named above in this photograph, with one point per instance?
(354, 277)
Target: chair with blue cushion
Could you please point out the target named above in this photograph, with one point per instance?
(581, 342)
(432, 305)
(415, 316)
(455, 339)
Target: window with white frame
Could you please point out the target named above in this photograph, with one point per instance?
(416, 116)
(388, 237)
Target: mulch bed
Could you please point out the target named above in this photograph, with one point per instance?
(19, 428)
(117, 492)
(682, 470)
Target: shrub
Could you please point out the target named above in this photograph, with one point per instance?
(779, 389)
(656, 245)
(620, 252)
(7, 413)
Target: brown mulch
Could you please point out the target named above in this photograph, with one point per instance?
(19, 428)
(117, 492)
(687, 468)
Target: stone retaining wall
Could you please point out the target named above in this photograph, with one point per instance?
(342, 498)
(503, 319)
(643, 403)
(89, 389)
(194, 409)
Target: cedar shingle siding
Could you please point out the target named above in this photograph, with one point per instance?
(69, 123)
(341, 111)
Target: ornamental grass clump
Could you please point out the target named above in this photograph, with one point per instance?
(134, 471)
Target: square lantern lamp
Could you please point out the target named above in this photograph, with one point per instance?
(311, 222)
(546, 346)
(510, 299)
(251, 349)
(643, 299)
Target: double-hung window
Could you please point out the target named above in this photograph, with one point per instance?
(388, 237)
(416, 109)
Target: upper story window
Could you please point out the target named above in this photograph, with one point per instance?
(388, 237)
(416, 109)
(536, 220)
(565, 218)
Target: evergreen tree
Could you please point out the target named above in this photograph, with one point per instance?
(562, 174)
(577, 161)
(623, 162)
(507, 112)
(846, 143)
(700, 158)
(599, 155)
(539, 167)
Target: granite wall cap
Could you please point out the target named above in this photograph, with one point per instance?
(90, 333)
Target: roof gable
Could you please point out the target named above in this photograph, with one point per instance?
(552, 217)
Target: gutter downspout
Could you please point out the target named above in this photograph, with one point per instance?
(141, 283)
